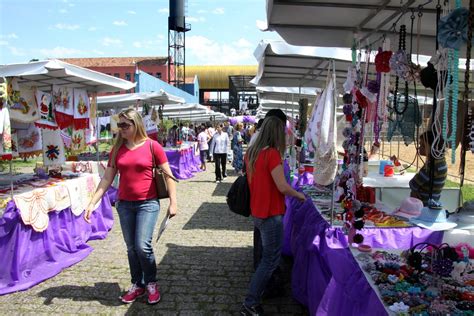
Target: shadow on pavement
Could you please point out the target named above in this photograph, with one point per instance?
(222, 188)
(214, 281)
(217, 216)
(105, 293)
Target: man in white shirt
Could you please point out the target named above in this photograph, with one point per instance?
(203, 139)
(220, 142)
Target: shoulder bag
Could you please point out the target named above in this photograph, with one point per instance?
(159, 178)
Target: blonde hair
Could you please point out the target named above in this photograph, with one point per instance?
(239, 126)
(140, 132)
(272, 134)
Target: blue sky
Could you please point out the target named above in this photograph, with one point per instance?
(223, 32)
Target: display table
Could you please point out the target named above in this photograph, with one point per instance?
(325, 276)
(404, 289)
(46, 231)
(183, 161)
(402, 236)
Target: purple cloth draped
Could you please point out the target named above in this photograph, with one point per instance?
(400, 237)
(113, 195)
(325, 276)
(183, 163)
(28, 257)
(242, 119)
(306, 178)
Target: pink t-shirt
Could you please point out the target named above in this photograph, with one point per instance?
(202, 140)
(135, 167)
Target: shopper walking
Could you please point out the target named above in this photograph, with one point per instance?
(203, 139)
(268, 188)
(237, 148)
(220, 141)
(137, 206)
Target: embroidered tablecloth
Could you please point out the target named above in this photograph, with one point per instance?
(36, 198)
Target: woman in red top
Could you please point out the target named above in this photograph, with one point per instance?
(268, 188)
(137, 206)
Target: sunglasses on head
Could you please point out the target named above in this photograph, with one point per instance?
(124, 125)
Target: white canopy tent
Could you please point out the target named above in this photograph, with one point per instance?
(130, 99)
(44, 74)
(283, 65)
(286, 93)
(336, 23)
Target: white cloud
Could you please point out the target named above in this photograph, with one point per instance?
(262, 25)
(9, 36)
(209, 52)
(107, 41)
(60, 52)
(149, 43)
(16, 51)
(164, 11)
(243, 43)
(120, 23)
(98, 52)
(218, 11)
(2, 43)
(92, 29)
(202, 11)
(131, 12)
(69, 27)
(63, 11)
(195, 19)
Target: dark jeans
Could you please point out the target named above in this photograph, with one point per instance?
(221, 161)
(203, 154)
(271, 233)
(138, 219)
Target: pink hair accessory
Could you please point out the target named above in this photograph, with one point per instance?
(364, 248)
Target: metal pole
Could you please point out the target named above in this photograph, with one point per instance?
(335, 126)
(97, 132)
(11, 177)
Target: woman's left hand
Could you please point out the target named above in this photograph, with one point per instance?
(172, 210)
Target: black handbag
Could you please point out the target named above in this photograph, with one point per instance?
(238, 197)
(159, 178)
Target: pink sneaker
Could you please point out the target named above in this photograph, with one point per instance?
(133, 293)
(153, 293)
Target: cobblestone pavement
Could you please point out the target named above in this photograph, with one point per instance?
(204, 266)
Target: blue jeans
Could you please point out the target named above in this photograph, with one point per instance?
(138, 219)
(271, 232)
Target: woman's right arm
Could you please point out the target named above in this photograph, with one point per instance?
(278, 176)
(104, 184)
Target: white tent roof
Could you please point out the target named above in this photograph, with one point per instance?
(184, 108)
(335, 23)
(287, 93)
(130, 99)
(44, 74)
(283, 65)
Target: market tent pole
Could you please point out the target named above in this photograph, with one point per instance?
(11, 177)
(335, 125)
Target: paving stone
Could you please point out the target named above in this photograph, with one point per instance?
(204, 261)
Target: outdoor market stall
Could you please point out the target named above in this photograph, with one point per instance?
(42, 230)
(443, 31)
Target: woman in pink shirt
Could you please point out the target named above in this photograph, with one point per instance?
(137, 206)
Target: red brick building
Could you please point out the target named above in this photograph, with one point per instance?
(124, 67)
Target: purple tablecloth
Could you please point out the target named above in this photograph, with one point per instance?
(376, 237)
(325, 276)
(28, 257)
(183, 163)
